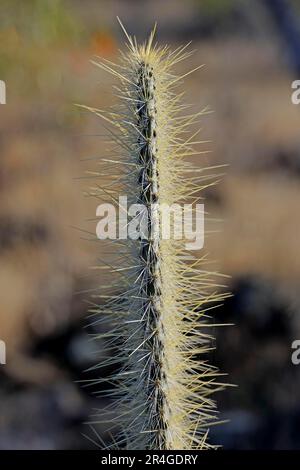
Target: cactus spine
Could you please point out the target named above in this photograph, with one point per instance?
(159, 321)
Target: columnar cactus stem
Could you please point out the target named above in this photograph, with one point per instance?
(164, 382)
(151, 288)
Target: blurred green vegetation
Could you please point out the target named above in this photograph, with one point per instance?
(32, 32)
(216, 8)
(296, 4)
(43, 22)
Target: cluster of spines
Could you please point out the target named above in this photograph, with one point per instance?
(162, 389)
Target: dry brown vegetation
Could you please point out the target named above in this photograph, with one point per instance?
(43, 139)
(254, 129)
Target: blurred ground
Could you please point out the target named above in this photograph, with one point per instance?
(45, 49)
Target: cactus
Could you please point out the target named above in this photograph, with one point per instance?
(158, 338)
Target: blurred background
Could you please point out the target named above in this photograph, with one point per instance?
(251, 52)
